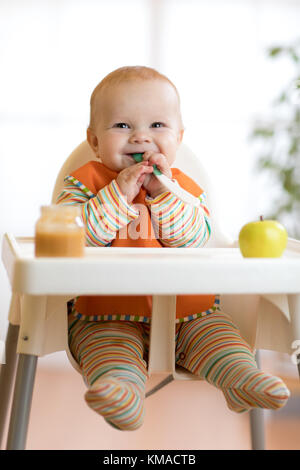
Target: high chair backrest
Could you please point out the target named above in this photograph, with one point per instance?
(186, 161)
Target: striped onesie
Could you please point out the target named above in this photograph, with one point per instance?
(109, 336)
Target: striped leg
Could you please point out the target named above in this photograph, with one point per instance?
(213, 348)
(110, 355)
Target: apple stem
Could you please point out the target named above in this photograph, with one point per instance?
(261, 218)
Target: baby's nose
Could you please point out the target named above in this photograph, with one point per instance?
(139, 137)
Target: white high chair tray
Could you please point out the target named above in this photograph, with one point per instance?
(40, 282)
(149, 271)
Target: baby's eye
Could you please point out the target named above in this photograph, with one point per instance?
(121, 125)
(157, 124)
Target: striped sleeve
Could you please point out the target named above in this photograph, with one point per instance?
(178, 224)
(103, 214)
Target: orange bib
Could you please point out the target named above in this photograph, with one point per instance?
(95, 176)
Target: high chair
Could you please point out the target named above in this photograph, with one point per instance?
(244, 309)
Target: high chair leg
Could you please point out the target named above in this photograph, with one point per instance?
(162, 335)
(294, 307)
(160, 385)
(21, 405)
(257, 429)
(30, 346)
(257, 422)
(7, 374)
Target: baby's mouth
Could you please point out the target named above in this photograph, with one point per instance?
(133, 155)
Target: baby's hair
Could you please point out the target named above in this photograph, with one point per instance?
(124, 74)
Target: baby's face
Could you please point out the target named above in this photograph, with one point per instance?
(134, 117)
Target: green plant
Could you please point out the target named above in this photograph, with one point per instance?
(279, 137)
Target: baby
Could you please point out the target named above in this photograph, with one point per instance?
(137, 110)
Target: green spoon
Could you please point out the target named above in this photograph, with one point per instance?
(138, 157)
(170, 185)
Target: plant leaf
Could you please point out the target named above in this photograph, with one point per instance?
(274, 51)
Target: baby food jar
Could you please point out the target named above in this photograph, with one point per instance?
(59, 232)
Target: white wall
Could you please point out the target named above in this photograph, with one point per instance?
(53, 53)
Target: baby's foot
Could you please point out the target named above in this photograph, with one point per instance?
(255, 389)
(120, 403)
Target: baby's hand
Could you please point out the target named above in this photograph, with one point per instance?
(131, 179)
(151, 183)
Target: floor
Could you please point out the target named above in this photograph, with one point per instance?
(183, 415)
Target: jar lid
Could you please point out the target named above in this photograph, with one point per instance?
(60, 211)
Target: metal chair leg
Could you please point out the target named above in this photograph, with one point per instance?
(257, 429)
(294, 306)
(18, 427)
(257, 422)
(7, 374)
(161, 384)
(298, 364)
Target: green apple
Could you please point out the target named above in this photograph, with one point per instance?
(263, 239)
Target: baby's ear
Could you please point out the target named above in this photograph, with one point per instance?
(180, 136)
(93, 141)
